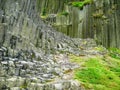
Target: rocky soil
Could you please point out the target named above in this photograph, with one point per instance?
(27, 70)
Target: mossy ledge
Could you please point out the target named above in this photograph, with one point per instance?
(80, 4)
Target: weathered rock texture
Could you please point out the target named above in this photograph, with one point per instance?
(104, 20)
(21, 28)
(28, 47)
(98, 20)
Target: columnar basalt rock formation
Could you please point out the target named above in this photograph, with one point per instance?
(34, 56)
(28, 49)
(22, 28)
(98, 20)
(105, 22)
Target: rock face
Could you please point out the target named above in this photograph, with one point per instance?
(21, 28)
(105, 22)
(98, 20)
(28, 47)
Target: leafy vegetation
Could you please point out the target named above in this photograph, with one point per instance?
(98, 73)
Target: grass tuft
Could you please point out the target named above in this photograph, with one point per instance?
(99, 73)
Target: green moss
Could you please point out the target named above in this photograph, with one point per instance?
(65, 13)
(98, 73)
(91, 75)
(93, 62)
(80, 4)
(116, 69)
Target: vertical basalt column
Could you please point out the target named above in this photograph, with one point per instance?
(111, 31)
(102, 20)
(117, 21)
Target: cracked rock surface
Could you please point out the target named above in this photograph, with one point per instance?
(33, 56)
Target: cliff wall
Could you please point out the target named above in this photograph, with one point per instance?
(22, 28)
(98, 20)
(28, 48)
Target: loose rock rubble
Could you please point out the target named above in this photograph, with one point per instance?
(31, 70)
